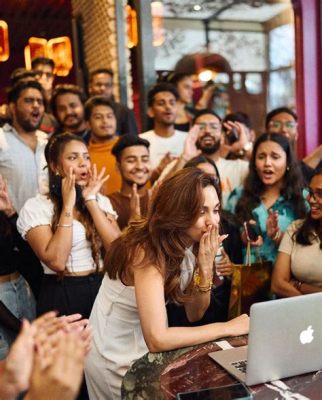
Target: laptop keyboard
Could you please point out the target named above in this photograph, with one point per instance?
(240, 365)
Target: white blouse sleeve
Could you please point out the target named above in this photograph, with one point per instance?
(36, 211)
(105, 205)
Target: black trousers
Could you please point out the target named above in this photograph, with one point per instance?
(68, 295)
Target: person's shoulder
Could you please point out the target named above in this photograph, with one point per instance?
(179, 133)
(148, 134)
(39, 202)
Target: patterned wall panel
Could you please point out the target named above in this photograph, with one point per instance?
(100, 37)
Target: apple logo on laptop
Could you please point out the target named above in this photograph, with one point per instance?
(306, 336)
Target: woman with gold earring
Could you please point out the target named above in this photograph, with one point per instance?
(69, 227)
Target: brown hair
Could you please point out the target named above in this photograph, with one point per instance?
(53, 151)
(160, 239)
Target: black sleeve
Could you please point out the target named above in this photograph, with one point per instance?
(27, 263)
(8, 319)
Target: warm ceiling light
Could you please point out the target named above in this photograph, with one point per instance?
(36, 47)
(132, 27)
(197, 7)
(4, 41)
(60, 50)
(205, 75)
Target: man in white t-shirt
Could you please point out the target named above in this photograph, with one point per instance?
(166, 143)
(206, 137)
(232, 172)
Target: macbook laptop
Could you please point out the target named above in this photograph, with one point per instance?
(285, 339)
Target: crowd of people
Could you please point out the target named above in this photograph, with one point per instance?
(117, 242)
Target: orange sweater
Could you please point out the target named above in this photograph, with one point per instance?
(101, 155)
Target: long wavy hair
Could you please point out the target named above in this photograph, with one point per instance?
(160, 239)
(310, 227)
(53, 152)
(254, 188)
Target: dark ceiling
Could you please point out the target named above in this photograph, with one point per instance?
(35, 9)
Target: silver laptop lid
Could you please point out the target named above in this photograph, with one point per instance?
(285, 338)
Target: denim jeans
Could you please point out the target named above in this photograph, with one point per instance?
(18, 298)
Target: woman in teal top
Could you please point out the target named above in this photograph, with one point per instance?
(271, 196)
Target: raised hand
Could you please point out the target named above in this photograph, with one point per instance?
(61, 378)
(224, 267)
(68, 189)
(208, 247)
(95, 183)
(190, 149)
(5, 202)
(135, 203)
(272, 227)
(15, 376)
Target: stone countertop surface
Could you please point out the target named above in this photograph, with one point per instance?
(160, 376)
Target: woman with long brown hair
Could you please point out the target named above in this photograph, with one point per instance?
(68, 228)
(166, 257)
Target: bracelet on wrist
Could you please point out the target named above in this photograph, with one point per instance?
(90, 198)
(64, 225)
(197, 283)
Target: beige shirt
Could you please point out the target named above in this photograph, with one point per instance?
(306, 264)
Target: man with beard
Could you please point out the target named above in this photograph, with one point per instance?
(133, 162)
(206, 138)
(165, 141)
(22, 162)
(100, 115)
(101, 84)
(232, 172)
(67, 104)
(22, 144)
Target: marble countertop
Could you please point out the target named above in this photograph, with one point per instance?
(160, 376)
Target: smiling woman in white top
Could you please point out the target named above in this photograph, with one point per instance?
(298, 268)
(68, 227)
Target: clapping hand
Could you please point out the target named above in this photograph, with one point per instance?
(5, 202)
(190, 149)
(135, 203)
(68, 189)
(95, 183)
(272, 227)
